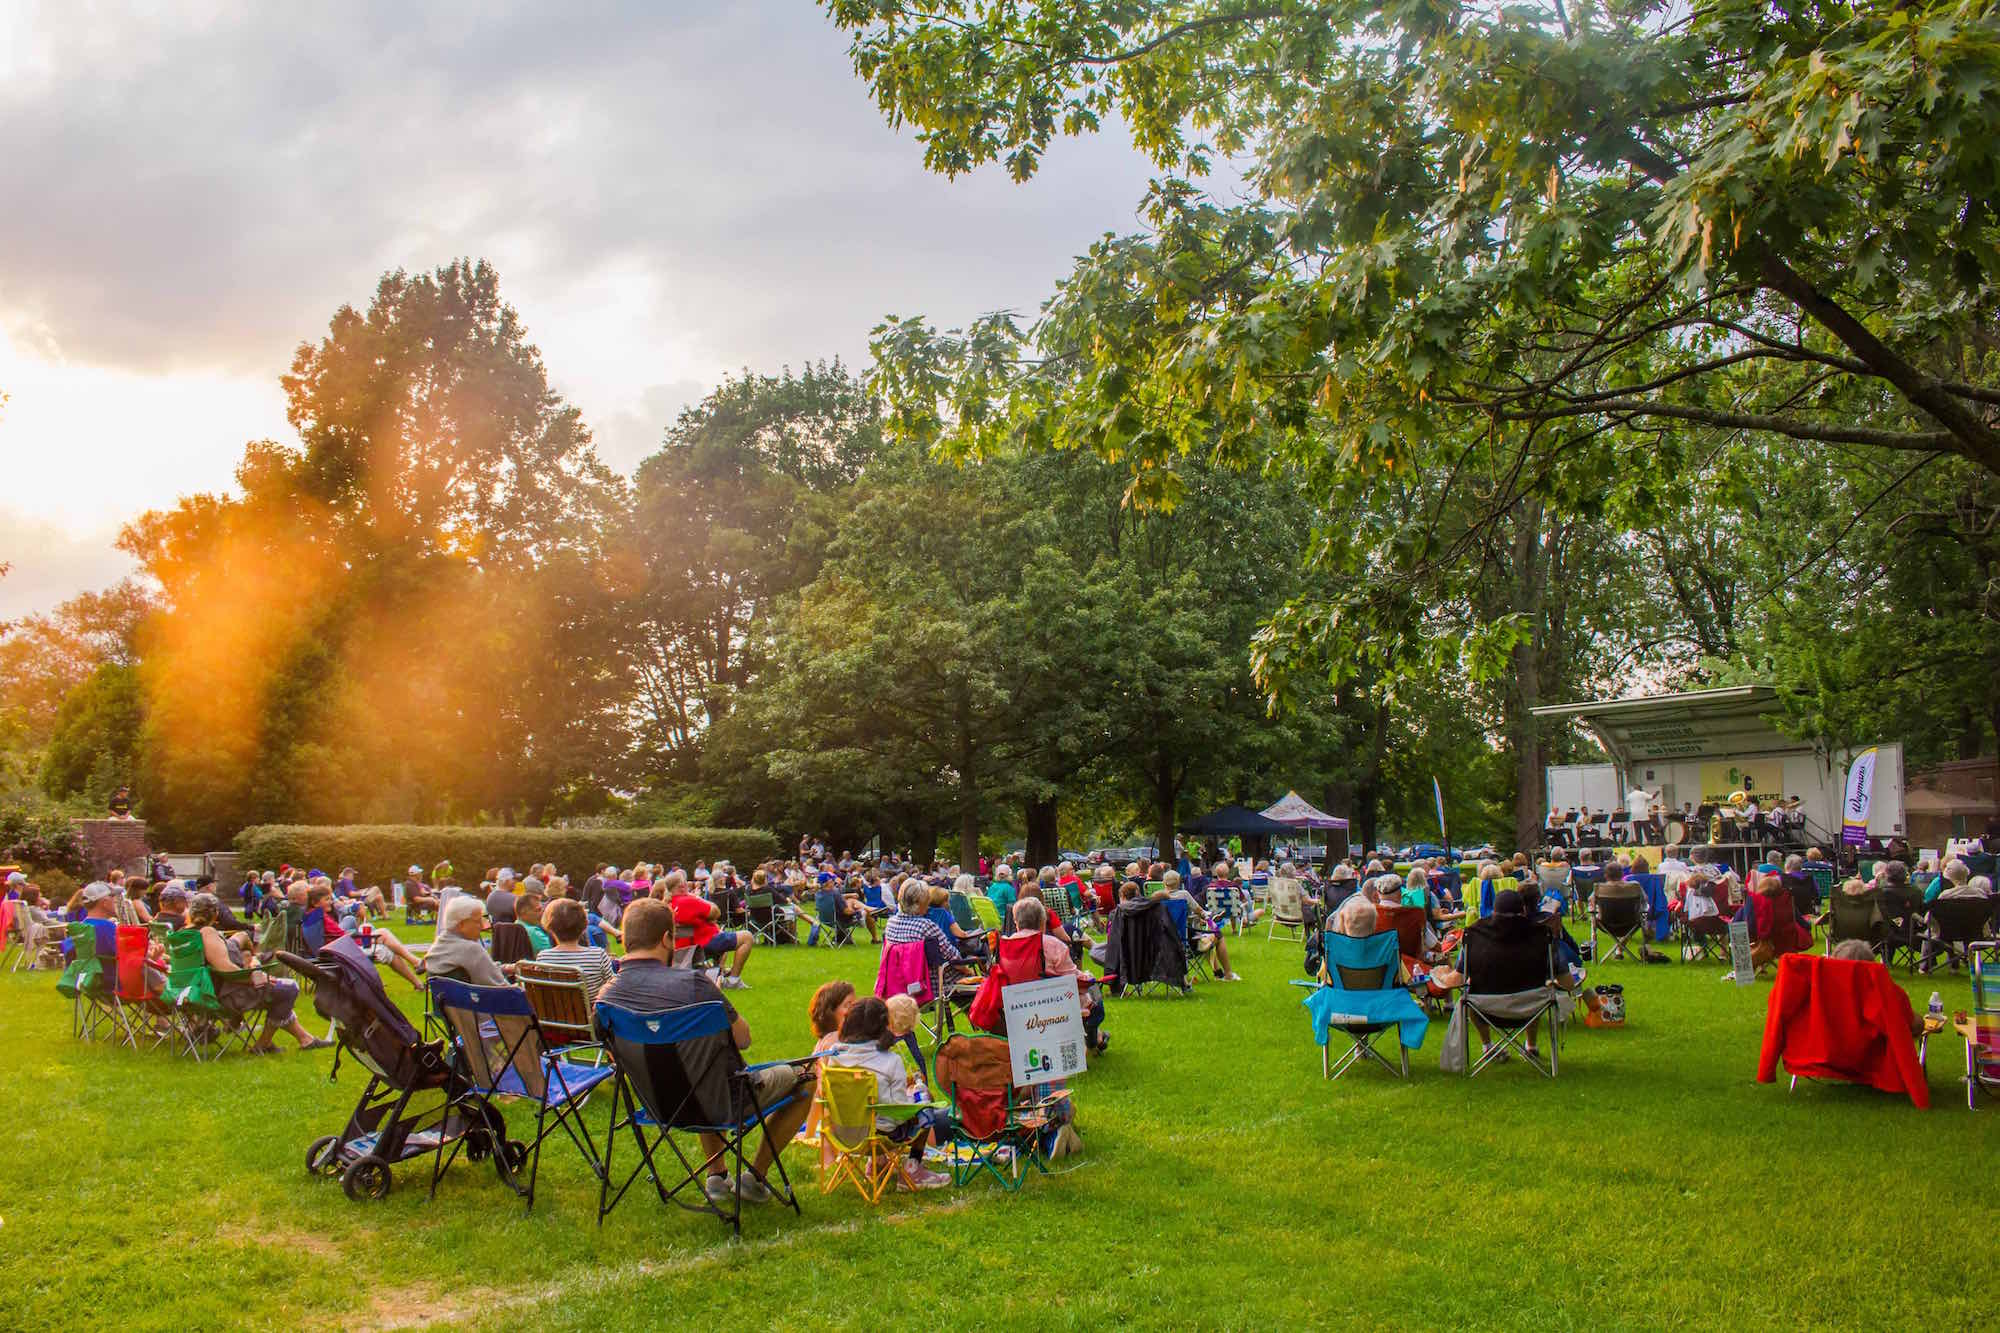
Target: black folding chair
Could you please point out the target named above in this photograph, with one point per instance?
(1955, 925)
(1902, 927)
(1514, 1031)
(678, 1071)
(1706, 938)
(1621, 918)
(502, 1050)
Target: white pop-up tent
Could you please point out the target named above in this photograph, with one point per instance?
(1295, 811)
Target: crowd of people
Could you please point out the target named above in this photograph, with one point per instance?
(656, 935)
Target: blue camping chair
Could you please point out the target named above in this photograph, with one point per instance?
(679, 1071)
(500, 1045)
(1361, 1000)
(1177, 913)
(826, 919)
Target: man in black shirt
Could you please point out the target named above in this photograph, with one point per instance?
(649, 983)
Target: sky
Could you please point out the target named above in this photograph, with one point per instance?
(671, 192)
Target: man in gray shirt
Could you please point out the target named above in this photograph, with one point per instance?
(458, 950)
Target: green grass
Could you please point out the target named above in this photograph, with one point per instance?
(1225, 1185)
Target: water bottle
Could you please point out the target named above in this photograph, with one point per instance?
(1937, 1005)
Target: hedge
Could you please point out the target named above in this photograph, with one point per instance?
(384, 852)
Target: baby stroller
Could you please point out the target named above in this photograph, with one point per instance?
(386, 1127)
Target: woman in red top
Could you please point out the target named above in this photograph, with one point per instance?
(1774, 922)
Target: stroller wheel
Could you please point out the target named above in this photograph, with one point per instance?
(323, 1156)
(367, 1178)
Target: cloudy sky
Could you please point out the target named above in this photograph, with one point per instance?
(670, 191)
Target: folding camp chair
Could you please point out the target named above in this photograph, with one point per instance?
(198, 1016)
(141, 1021)
(962, 913)
(1288, 910)
(12, 945)
(760, 911)
(1956, 924)
(1982, 1024)
(678, 1071)
(1902, 928)
(986, 912)
(996, 1129)
(826, 922)
(1705, 939)
(1355, 999)
(854, 1150)
(1620, 918)
(1855, 916)
(502, 1050)
(1197, 957)
(1512, 1018)
(1228, 904)
(82, 982)
(562, 1004)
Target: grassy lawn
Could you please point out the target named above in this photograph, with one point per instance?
(1225, 1185)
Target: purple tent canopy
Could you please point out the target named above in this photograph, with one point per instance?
(1294, 811)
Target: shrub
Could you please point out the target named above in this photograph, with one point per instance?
(382, 852)
(45, 839)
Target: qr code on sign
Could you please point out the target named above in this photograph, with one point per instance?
(1071, 1058)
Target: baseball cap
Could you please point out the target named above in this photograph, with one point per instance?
(459, 909)
(416, 870)
(97, 892)
(16, 877)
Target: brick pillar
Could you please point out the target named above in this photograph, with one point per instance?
(114, 844)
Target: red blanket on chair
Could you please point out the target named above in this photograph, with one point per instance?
(1831, 1018)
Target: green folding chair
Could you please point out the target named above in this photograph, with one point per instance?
(82, 983)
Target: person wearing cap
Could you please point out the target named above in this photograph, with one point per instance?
(458, 952)
(417, 896)
(173, 907)
(98, 901)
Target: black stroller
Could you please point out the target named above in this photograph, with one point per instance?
(386, 1127)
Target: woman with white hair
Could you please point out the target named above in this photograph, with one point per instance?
(1001, 890)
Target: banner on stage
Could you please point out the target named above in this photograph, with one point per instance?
(1857, 799)
(1044, 1030)
(1762, 783)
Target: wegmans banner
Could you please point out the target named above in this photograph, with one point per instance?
(1857, 798)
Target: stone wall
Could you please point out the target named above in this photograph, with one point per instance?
(115, 844)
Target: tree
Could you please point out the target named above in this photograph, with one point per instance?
(1556, 245)
(43, 658)
(96, 735)
(726, 522)
(386, 622)
(897, 668)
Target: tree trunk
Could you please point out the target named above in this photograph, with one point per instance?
(1527, 692)
(968, 827)
(1337, 798)
(1368, 792)
(968, 791)
(1042, 832)
(1166, 809)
